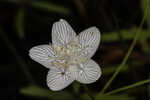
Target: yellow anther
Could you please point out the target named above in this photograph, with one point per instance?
(59, 64)
(83, 59)
(58, 49)
(68, 52)
(74, 43)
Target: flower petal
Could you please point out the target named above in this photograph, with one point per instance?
(62, 33)
(59, 78)
(89, 41)
(43, 54)
(89, 72)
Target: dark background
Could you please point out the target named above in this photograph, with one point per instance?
(27, 23)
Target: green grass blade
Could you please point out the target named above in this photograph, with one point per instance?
(127, 55)
(128, 87)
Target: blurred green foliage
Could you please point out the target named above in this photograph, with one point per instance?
(144, 2)
(47, 6)
(125, 34)
(107, 37)
(113, 97)
(20, 22)
(128, 35)
(39, 92)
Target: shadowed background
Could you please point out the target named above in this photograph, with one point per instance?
(27, 23)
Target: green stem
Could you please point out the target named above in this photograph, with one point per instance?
(19, 59)
(128, 87)
(89, 92)
(127, 55)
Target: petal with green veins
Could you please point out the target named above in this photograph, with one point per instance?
(89, 41)
(89, 72)
(62, 33)
(59, 78)
(43, 54)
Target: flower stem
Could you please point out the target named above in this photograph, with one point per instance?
(128, 87)
(88, 92)
(128, 53)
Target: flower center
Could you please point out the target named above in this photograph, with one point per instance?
(70, 54)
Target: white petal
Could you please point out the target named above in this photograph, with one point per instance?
(89, 41)
(43, 54)
(58, 79)
(62, 33)
(89, 72)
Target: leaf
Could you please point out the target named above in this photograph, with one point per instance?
(125, 34)
(113, 97)
(110, 37)
(85, 97)
(111, 69)
(39, 92)
(19, 23)
(50, 7)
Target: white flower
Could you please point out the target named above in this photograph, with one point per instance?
(68, 57)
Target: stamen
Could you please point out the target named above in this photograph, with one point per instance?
(58, 49)
(69, 54)
(59, 64)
